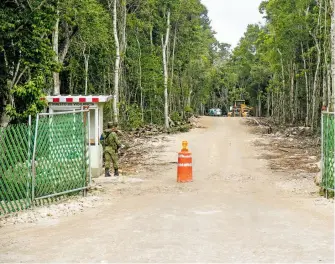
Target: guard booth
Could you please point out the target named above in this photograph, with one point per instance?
(95, 105)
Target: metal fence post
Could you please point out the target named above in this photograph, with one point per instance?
(89, 146)
(33, 177)
(84, 118)
(29, 154)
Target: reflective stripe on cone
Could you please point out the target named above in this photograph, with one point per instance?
(184, 170)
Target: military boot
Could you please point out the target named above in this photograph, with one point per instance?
(107, 174)
(116, 172)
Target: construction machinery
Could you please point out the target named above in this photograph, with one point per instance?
(240, 109)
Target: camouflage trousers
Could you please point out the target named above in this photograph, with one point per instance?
(111, 155)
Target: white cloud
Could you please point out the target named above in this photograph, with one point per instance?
(230, 18)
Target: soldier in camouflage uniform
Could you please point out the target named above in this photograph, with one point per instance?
(111, 145)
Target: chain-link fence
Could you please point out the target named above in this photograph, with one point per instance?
(58, 145)
(327, 136)
(15, 168)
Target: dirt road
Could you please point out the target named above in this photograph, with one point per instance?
(234, 211)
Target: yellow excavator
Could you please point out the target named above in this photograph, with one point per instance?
(240, 109)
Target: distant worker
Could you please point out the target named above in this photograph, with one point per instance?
(111, 145)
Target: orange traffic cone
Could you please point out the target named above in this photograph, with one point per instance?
(184, 171)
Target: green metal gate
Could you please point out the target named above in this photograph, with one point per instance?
(60, 154)
(43, 160)
(15, 168)
(327, 136)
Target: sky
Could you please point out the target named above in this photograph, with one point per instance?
(230, 18)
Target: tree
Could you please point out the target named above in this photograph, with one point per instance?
(159, 58)
(165, 44)
(25, 54)
(285, 65)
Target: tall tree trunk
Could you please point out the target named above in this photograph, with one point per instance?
(123, 47)
(189, 98)
(296, 101)
(292, 92)
(282, 93)
(117, 64)
(55, 38)
(268, 104)
(316, 82)
(272, 104)
(140, 76)
(278, 103)
(282, 69)
(324, 86)
(61, 51)
(124, 25)
(259, 95)
(283, 107)
(104, 83)
(172, 66)
(306, 84)
(317, 70)
(166, 73)
(70, 82)
(325, 95)
(151, 37)
(86, 59)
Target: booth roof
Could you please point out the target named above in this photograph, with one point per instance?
(78, 99)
